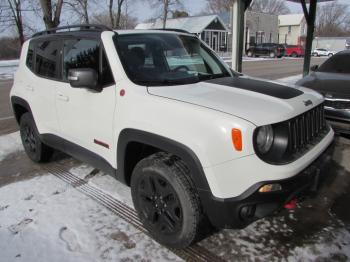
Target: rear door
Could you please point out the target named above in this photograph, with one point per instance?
(86, 116)
(45, 64)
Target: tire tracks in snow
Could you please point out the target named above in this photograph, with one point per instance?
(192, 253)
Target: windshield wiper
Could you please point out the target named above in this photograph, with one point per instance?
(203, 77)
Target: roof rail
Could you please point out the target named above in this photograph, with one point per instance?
(82, 27)
(172, 29)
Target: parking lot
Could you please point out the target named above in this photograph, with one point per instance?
(72, 212)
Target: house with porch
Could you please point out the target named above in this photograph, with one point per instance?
(210, 28)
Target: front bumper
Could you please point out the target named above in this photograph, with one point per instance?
(238, 212)
(339, 119)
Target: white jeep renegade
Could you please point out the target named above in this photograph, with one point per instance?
(165, 115)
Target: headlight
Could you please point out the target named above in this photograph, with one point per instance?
(264, 138)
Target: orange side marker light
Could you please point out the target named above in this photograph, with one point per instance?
(237, 139)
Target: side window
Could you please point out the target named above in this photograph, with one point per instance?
(30, 56)
(85, 53)
(47, 58)
(80, 53)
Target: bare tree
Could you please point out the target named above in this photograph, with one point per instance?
(167, 6)
(276, 7)
(115, 17)
(126, 21)
(333, 19)
(11, 15)
(51, 12)
(178, 14)
(218, 6)
(80, 7)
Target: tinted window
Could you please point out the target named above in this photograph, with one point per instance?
(106, 76)
(336, 64)
(85, 53)
(30, 56)
(47, 58)
(80, 53)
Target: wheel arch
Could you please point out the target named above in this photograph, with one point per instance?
(19, 107)
(133, 145)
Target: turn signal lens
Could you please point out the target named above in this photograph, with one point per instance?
(270, 188)
(237, 139)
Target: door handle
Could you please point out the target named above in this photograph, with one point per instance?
(63, 97)
(30, 88)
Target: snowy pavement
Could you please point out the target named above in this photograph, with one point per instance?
(8, 69)
(43, 218)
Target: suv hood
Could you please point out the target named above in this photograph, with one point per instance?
(258, 101)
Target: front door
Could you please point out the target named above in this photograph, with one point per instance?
(215, 42)
(86, 116)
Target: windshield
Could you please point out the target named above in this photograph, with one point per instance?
(167, 59)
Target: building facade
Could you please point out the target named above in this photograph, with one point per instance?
(292, 29)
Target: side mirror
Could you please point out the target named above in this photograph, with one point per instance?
(314, 68)
(84, 78)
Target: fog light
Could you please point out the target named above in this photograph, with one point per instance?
(270, 188)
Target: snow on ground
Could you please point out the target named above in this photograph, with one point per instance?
(10, 144)
(290, 79)
(8, 68)
(44, 219)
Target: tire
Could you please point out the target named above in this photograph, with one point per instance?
(330, 54)
(250, 54)
(294, 54)
(166, 200)
(36, 150)
(272, 55)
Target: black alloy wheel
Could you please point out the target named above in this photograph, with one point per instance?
(159, 204)
(36, 150)
(166, 200)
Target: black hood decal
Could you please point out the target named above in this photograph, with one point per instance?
(259, 86)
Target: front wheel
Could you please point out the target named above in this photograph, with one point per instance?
(272, 55)
(165, 200)
(36, 150)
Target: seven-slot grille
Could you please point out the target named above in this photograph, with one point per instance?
(306, 129)
(337, 104)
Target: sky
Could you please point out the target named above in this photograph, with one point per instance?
(142, 10)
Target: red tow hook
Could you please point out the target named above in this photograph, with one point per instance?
(291, 204)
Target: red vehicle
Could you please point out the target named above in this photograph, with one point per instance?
(294, 50)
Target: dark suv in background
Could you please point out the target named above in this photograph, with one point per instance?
(332, 79)
(267, 49)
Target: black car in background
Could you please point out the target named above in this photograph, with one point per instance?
(332, 79)
(267, 49)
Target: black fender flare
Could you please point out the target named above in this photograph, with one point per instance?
(168, 145)
(15, 100)
(165, 144)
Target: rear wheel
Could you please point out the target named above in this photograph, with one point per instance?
(250, 54)
(165, 200)
(272, 55)
(36, 150)
(294, 54)
(330, 54)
